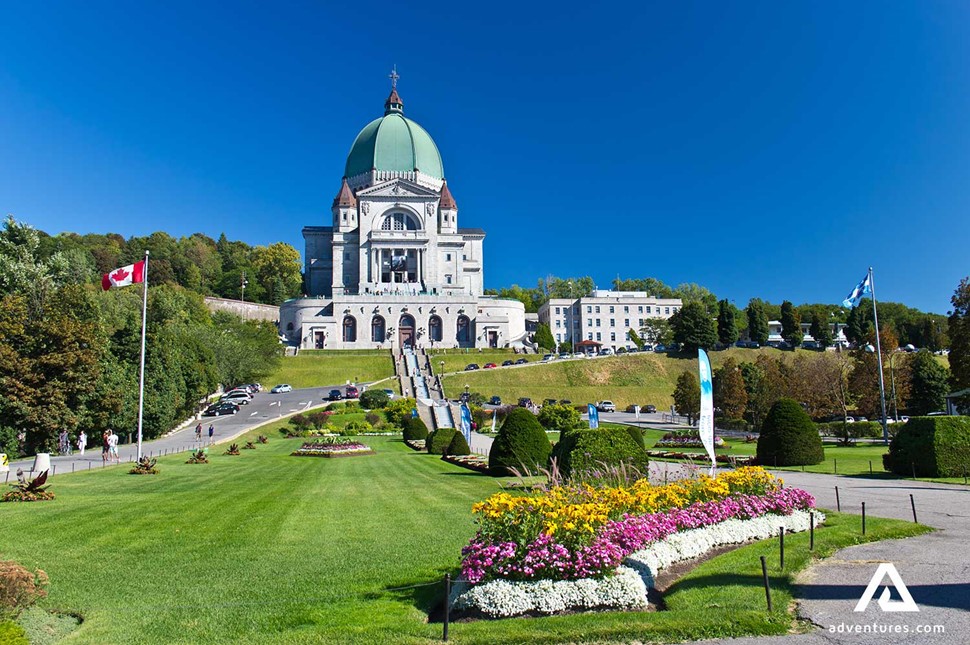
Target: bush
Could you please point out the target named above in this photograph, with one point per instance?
(398, 410)
(581, 452)
(933, 446)
(9, 443)
(373, 418)
(356, 427)
(374, 399)
(351, 406)
(300, 422)
(520, 443)
(788, 437)
(12, 634)
(336, 406)
(319, 418)
(438, 441)
(458, 445)
(414, 429)
(19, 588)
(637, 435)
(559, 418)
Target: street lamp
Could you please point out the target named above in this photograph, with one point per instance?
(242, 287)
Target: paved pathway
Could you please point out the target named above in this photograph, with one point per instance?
(264, 407)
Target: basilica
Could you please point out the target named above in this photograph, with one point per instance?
(393, 268)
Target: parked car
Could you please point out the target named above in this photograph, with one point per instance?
(390, 393)
(548, 357)
(564, 401)
(647, 348)
(280, 389)
(632, 408)
(660, 348)
(621, 350)
(752, 344)
(490, 366)
(220, 408)
(606, 351)
(238, 397)
(605, 406)
(564, 356)
(521, 361)
(525, 402)
(254, 387)
(352, 392)
(495, 400)
(549, 402)
(508, 363)
(471, 367)
(649, 409)
(335, 395)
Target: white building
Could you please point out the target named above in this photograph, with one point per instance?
(393, 268)
(605, 317)
(837, 329)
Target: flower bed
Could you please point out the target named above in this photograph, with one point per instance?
(332, 449)
(581, 535)
(686, 439)
(733, 460)
(478, 463)
(415, 444)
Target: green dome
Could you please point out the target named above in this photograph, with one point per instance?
(394, 143)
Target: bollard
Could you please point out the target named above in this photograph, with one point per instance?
(964, 474)
(913, 464)
(72, 466)
(838, 504)
(53, 470)
(870, 466)
(835, 463)
(811, 531)
(444, 627)
(764, 576)
(781, 546)
(7, 479)
(912, 503)
(89, 465)
(863, 518)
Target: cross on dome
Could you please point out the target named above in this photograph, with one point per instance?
(393, 76)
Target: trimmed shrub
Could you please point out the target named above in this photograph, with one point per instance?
(788, 437)
(438, 441)
(414, 429)
(846, 433)
(637, 435)
(520, 443)
(559, 418)
(458, 445)
(374, 399)
(581, 452)
(933, 446)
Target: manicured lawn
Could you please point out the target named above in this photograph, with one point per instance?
(315, 369)
(266, 548)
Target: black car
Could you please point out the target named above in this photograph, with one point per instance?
(650, 409)
(507, 363)
(220, 408)
(471, 367)
(495, 400)
(549, 402)
(335, 395)
(522, 361)
(525, 402)
(565, 402)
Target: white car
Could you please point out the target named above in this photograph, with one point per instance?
(239, 397)
(279, 389)
(389, 393)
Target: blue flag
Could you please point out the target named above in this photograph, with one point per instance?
(862, 290)
(594, 416)
(705, 424)
(466, 423)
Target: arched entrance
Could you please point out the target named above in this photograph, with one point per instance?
(406, 331)
(464, 334)
(377, 333)
(350, 329)
(434, 327)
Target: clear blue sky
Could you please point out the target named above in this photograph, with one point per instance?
(771, 149)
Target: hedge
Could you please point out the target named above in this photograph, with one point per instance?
(932, 446)
(520, 443)
(857, 430)
(788, 437)
(581, 452)
(458, 445)
(374, 399)
(438, 441)
(414, 429)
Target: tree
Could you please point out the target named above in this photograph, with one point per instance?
(929, 384)
(788, 437)
(543, 337)
(650, 286)
(757, 321)
(559, 418)
(687, 396)
(730, 396)
(278, 270)
(820, 331)
(858, 324)
(657, 331)
(690, 292)
(864, 379)
(727, 328)
(791, 325)
(693, 327)
(521, 444)
(959, 329)
(635, 338)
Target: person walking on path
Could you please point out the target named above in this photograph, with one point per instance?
(105, 447)
(211, 432)
(82, 442)
(64, 443)
(113, 447)
(198, 433)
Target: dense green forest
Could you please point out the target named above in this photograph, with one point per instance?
(69, 352)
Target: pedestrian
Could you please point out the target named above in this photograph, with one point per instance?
(105, 446)
(212, 431)
(64, 443)
(198, 433)
(113, 447)
(82, 442)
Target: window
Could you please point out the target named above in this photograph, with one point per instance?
(464, 257)
(377, 330)
(613, 336)
(626, 310)
(612, 321)
(464, 329)
(558, 338)
(558, 324)
(589, 336)
(597, 322)
(599, 336)
(597, 308)
(434, 327)
(350, 329)
(557, 310)
(626, 322)
(668, 310)
(399, 222)
(447, 257)
(289, 326)
(589, 309)
(448, 278)
(611, 309)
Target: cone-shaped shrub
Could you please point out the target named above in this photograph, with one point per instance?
(438, 441)
(788, 437)
(414, 429)
(520, 443)
(458, 445)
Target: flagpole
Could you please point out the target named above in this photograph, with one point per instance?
(141, 374)
(882, 384)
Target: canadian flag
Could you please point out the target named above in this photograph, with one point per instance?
(124, 276)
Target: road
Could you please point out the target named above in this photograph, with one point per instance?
(264, 407)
